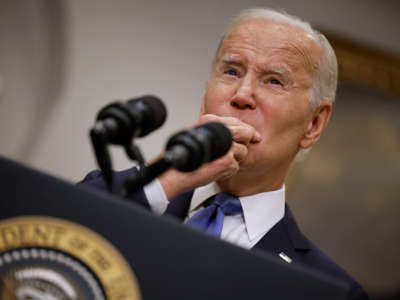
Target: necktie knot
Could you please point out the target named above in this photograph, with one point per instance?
(229, 204)
(211, 218)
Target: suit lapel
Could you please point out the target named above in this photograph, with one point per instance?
(285, 237)
(299, 241)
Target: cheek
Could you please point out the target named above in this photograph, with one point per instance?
(216, 98)
(283, 118)
(295, 127)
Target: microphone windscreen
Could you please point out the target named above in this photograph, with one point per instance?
(198, 146)
(154, 112)
(221, 140)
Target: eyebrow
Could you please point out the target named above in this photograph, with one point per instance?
(278, 71)
(228, 59)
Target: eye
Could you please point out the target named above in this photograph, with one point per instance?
(231, 72)
(274, 81)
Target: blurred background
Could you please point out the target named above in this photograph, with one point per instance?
(62, 60)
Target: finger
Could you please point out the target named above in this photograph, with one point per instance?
(208, 118)
(229, 172)
(239, 151)
(244, 134)
(241, 132)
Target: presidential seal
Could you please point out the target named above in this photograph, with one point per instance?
(52, 259)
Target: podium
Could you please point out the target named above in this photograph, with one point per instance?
(90, 245)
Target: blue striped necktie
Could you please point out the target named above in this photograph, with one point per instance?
(211, 218)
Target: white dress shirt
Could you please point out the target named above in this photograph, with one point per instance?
(260, 211)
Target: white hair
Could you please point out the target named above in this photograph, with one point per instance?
(325, 78)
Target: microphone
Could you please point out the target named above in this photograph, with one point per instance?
(186, 151)
(120, 122)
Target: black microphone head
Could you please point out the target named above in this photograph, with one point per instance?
(153, 110)
(199, 145)
(134, 118)
(221, 140)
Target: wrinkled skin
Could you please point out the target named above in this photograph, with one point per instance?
(260, 89)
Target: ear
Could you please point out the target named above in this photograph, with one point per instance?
(316, 125)
(203, 106)
(203, 102)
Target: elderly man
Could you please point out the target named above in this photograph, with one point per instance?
(272, 84)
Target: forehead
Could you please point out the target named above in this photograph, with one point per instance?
(271, 42)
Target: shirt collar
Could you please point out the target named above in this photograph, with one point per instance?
(202, 193)
(261, 211)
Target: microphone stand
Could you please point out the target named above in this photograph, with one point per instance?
(99, 145)
(99, 141)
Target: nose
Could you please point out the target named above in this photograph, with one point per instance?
(244, 97)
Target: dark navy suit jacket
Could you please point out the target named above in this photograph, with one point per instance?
(284, 237)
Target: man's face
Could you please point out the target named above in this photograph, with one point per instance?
(263, 76)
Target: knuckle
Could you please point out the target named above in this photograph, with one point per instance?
(235, 166)
(241, 153)
(207, 118)
(231, 155)
(234, 132)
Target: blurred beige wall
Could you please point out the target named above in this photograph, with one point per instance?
(60, 61)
